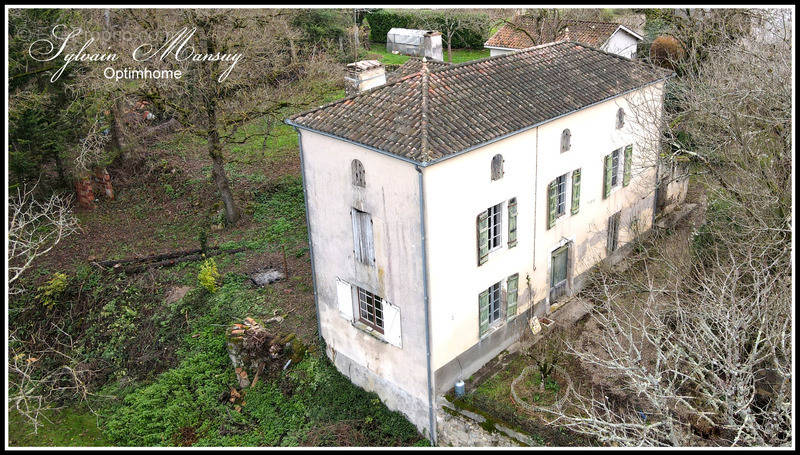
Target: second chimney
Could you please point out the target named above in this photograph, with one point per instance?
(364, 75)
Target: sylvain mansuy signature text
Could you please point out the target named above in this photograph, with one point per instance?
(176, 46)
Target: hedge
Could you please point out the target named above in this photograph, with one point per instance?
(383, 20)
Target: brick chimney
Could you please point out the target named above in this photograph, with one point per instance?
(364, 75)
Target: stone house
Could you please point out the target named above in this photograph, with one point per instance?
(450, 205)
(608, 36)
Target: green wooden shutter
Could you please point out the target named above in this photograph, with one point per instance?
(512, 223)
(552, 204)
(626, 175)
(511, 299)
(483, 310)
(483, 237)
(607, 170)
(576, 191)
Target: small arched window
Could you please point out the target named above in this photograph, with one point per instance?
(497, 167)
(620, 118)
(566, 138)
(359, 178)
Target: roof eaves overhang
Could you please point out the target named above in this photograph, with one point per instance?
(350, 141)
(482, 144)
(503, 48)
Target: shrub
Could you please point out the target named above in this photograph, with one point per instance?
(666, 51)
(383, 20)
(209, 275)
(50, 291)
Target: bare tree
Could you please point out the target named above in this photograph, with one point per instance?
(34, 228)
(698, 351)
(38, 381)
(219, 100)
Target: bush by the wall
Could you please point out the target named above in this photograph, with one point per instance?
(383, 20)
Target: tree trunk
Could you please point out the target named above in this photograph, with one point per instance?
(62, 178)
(232, 213)
(449, 50)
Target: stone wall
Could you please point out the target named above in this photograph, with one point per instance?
(462, 428)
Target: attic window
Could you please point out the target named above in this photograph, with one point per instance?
(359, 178)
(497, 167)
(620, 118)
(566, 136)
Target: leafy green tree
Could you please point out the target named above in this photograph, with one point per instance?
(46, 118)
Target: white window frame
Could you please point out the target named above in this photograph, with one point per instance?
(363, 297)
(495, 226)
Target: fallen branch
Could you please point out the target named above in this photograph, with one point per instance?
(155, 257)
(171, 262)
(164, 259)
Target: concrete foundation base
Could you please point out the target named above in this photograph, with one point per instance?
(414, 408)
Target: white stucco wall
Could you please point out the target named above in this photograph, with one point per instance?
(391, 196)
(458, 189)
(621, 43)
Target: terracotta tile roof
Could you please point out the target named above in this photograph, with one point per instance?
(433, 113)
(411, 66)
(587, 32)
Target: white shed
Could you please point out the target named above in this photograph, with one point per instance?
(419, 43)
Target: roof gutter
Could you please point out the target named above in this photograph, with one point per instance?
(482, 144)
(426, 304)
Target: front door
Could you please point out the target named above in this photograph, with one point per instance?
(558, 274)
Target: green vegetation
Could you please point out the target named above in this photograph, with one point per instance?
(183, 405)
(471, 30)
(208, 275)
(68, 427)
(379, 52)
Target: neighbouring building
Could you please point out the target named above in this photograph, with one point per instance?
(418, 43)
(450, 205)
(522, 30)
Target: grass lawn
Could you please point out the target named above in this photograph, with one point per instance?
(459, 55)
(70, 427)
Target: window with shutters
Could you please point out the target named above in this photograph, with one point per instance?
(489, 307)
(359, 176)
(620, 118)
(512, 285)
(363, 247)
(497, 167)
(556, 199)
(370, 309)
(576, 191)
(566, 137)
(613, 232)
(512, 222)
(489, 225)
